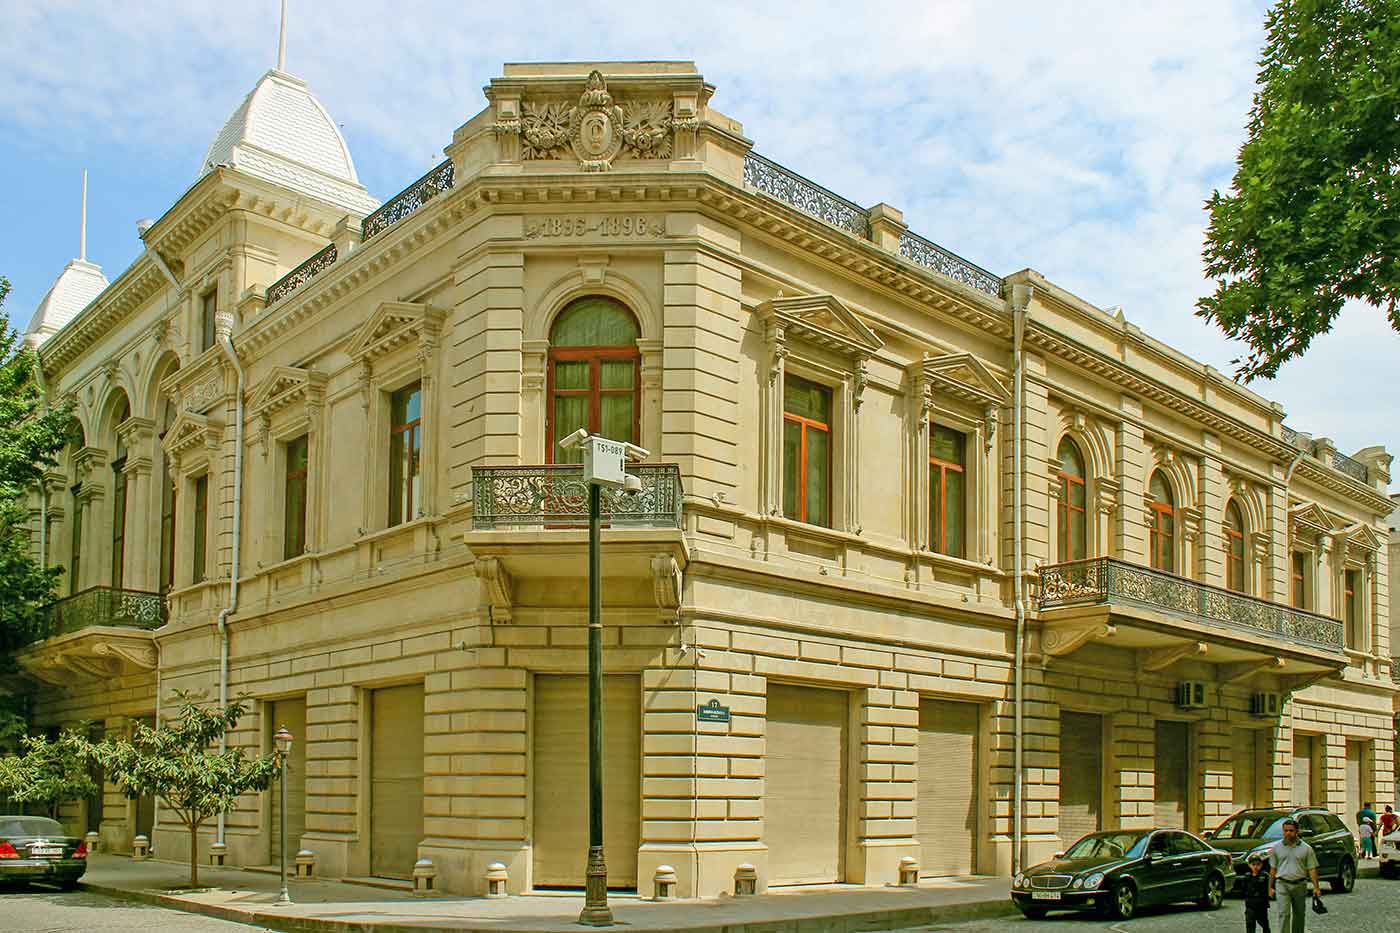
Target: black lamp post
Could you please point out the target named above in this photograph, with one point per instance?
(283, 741)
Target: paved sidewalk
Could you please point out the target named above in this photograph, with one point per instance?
(338, 907)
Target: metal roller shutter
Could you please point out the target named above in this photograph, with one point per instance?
(804, 803)
(947, 787)
(1302, 769)
(1172, 763)
(1244, 765)
(292, 714)
(560, 784)
(1081, 776)
(396, 780)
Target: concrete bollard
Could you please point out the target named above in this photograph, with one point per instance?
(745, 880)
(91, 840)
(217, 852)
(424, 876)
(908, 871)
(306, 863)
(664, 883)
(140, 848)
(496, 878)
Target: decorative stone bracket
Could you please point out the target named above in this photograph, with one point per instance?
(1058, 641)
(498, 588)
(667, 581)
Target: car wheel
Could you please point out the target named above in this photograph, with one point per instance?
(1124, 903)
(68, 884)
(1346, 877)
(1215, 893)
(1386, 869)
(1033, 913)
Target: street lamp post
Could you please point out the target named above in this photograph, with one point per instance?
(604, 464)
(283, 741)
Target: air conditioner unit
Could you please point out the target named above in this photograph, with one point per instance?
(1265, 704)
(1191, 694)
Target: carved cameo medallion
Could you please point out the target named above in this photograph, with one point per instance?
(597, 126)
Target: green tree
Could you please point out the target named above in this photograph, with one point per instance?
(49, 773)
(1313, 216)
(177, 764)
(31, 435)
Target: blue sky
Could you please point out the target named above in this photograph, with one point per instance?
(1079, 140)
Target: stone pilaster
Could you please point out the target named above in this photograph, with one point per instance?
(1276, 588)
(336, 733)
(1281, 761)
(1215, 777)
(1333, 761)
(1130, 533)
(1213, 491)
(1037, 505)
(887, 804)
(1132, 774)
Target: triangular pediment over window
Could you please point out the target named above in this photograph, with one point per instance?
(1364, 537)
(191, 431)
(394, 324)
(285, 386)
(823, 320)
(962, 376)
(1309, 517)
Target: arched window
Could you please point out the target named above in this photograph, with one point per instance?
(1072, 527)
(119, 494)
(1234, 548)
(594, 375)
(1163, 531)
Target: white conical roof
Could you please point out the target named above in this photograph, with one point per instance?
(77, 285)
(282, 133)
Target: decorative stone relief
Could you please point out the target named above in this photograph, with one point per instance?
(596, 129)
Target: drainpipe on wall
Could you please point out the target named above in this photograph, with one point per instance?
(1020, 299)
(223, 326)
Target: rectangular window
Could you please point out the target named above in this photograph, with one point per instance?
(167, 532)
(75, 556)
(208, 306)
(405, 452)
(947, 490)
(201, 527)
(806, 452)
(1351, 607)
(294, 501)
(118, 521)
(1300, 581)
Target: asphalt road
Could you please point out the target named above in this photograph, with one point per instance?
(1374, 907)
(46, 910)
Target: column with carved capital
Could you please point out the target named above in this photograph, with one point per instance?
(142, 533)
(1213, 492)
(1325, 576)
(1130, 535)
(1276, 583)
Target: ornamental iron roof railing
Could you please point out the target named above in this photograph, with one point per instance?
(1347, 466)
(318, 263)
(782, 184)
(1109, 581)
(438, 179)
(104, 605)
(556, 495)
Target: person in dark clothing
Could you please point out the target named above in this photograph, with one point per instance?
(1255, 888)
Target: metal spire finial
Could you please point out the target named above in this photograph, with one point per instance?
(82, 228)
(282, 40)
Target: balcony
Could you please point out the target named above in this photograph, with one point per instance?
(99, 633)
(555, 496)
(1171, 618)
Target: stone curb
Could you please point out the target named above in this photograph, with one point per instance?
(893, 918)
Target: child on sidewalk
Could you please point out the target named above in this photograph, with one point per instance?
(1255, 888)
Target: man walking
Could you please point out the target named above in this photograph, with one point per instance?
(1292, 864)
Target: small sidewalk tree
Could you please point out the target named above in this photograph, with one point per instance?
(177, 764)
(49, 773)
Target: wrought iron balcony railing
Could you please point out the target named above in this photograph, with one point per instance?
(1108, 581)
(435, 182)
(104, 605)
(318, 263)
(556, 495)
(782, 184)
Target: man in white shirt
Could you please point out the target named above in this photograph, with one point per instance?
(1292, 864)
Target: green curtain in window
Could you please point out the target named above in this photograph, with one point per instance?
(595, 321)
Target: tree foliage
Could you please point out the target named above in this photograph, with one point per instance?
(1313, 216)
(177, 764)
(50, 773)
(31, 435)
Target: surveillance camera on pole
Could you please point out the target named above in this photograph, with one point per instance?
(605, 461)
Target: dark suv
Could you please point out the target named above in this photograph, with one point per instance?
(1248, 830)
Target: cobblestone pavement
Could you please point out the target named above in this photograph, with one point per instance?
(1374, 907)
(45, 910)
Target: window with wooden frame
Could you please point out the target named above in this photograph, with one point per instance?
(1301, 588)
(75, 555)
(119, 501)
(594, 375)
(1351, 608)
(208, 308)
(1162, 536)
(405, 453)
(806, 451)
(1236, 572)
(947, 490)
(295, 470)
(199, 571)
(1072, 518)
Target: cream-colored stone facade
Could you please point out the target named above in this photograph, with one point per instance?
(630, 185)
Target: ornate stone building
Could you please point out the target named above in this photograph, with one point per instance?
(318, 469)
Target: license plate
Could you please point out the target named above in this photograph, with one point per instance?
(1045, 895)
(46, 850)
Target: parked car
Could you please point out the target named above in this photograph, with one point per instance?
(35, 848)
(1389, 850)
(1119, 871)
(1255, 830)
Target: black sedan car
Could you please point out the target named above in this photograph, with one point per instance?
(1258, 829)
(35, 848)
(1117, 872)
